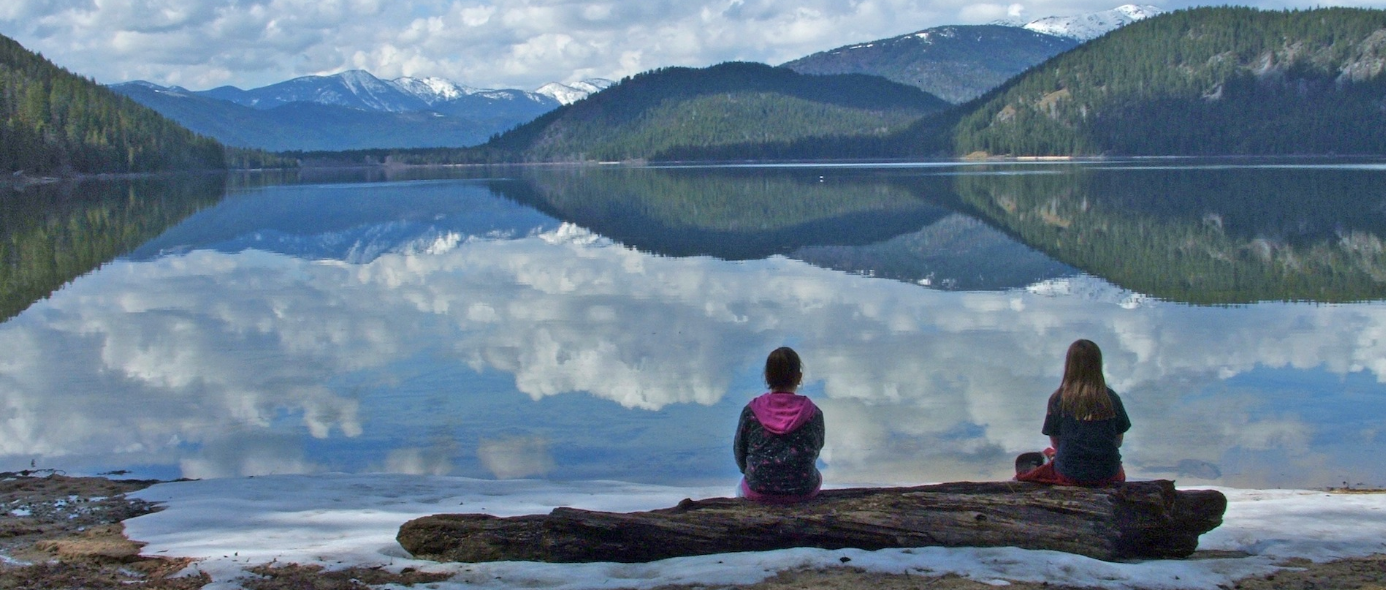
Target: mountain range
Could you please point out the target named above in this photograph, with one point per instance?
(354, 110)
(1202, 81)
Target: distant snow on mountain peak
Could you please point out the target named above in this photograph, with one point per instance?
(432, 90)
(358, 88)
(929, 34)
(571, 93)
(169, 90)
(1089, 26)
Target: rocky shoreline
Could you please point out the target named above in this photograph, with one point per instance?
(65, 532)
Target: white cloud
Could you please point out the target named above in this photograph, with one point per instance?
(515, 457)
(499, 43)
(421, 461)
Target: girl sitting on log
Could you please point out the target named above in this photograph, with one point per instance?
(779, 437)
(1085, 423)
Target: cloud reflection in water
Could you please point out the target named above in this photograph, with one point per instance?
(236, 363)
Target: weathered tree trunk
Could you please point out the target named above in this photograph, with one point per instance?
(1140, 519)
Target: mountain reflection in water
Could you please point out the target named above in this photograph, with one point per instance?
(441, 327)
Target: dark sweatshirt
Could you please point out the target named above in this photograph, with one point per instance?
(777, 444)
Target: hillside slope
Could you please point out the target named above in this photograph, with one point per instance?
(1199, 81)
(955, 63)
(53, 121)
(679, 112)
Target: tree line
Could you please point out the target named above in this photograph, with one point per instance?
(1200, 81)
(54, 122)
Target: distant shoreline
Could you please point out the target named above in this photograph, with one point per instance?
(20, 180)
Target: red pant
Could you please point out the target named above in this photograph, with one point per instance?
(1046, 474)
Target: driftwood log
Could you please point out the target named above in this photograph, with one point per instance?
(1132, 520)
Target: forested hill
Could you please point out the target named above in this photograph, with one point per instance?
(956, 63)
(680, 112)
(1199, 81)
(53, 122)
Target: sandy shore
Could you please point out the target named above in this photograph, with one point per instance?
(65, 532)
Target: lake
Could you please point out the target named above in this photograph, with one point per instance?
(608, 323)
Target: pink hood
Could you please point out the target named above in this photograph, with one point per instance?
(782, 412)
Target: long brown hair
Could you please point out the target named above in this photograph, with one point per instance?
(1083, 392)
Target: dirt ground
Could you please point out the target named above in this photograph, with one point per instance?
(65, 532)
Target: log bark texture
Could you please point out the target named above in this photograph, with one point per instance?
(1132, 520)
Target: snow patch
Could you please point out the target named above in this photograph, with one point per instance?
(570, 233)
(1089, 26)
(432, 90)
(571, 93)
(340, 521)
(1090, 288)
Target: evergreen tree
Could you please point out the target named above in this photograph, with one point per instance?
(1204, 81)
(55, 122)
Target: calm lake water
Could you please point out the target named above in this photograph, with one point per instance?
(596, 323)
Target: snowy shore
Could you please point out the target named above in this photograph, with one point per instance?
(341, 521)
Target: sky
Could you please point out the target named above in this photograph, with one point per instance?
(200, 44)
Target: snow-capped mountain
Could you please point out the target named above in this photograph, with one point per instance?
(350, 110)
(960, 62)
(1089, 26)
(571, 93)
(354, 110)
(956, 63)
(439, 91)
(359, 89)
(356, 89)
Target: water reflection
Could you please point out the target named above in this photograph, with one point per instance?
(901, 225)
(1221, 234)
(436, 328)
(351, 222)
(53, 233)
(732, 214)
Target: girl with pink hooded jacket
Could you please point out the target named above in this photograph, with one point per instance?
(779, 436)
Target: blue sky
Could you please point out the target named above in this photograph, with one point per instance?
(487, 43)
